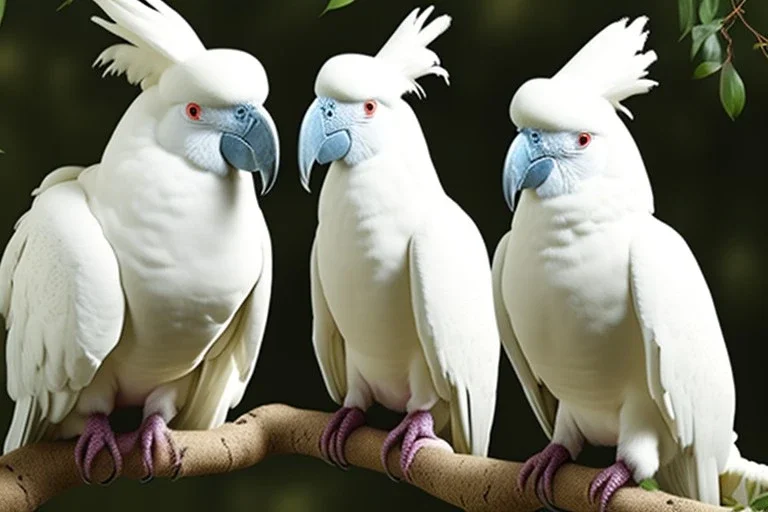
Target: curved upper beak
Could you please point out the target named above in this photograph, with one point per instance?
(255, 148)
(525, 167)
(318, 144)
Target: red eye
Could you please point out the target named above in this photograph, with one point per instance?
(584, 140)
(370, 107)
(194, 111)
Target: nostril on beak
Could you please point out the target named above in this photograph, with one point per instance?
(535, 137)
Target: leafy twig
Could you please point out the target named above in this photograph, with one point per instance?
(704, 40)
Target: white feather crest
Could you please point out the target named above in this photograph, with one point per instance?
(159, 37)
(611, 63)
(406, 50)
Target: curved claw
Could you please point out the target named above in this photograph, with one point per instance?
(548, 505)
(608, 481)
(334, 437)
(543, 467)
(153, 432)
(96, 436)
(416, 432)
(354, 419)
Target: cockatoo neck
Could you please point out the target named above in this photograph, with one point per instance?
(626, 171)
(599, 201)
(136, 130)
(404, 149)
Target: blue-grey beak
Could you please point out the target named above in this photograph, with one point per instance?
(255, 147)
(526, 166)
(317, 145)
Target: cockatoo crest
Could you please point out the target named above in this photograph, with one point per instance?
(394, 70)
(607, 70)
(164, 50)
(159, 38)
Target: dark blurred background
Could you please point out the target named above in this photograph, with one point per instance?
(709, 176)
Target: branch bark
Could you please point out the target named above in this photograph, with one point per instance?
(32, 475)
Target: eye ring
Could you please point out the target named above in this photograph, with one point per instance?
(194, 111)
(584, 140)
(370, 108)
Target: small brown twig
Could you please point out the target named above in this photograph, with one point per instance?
(738, 12)
(32, 475)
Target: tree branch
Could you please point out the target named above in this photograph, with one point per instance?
(34, 474)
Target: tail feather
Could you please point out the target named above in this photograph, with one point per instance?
(682, 476)
(27, 425)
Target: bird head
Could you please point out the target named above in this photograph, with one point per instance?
(568, 128)
(359, 107)
(211, 102)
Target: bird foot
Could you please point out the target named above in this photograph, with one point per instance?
(608, 481)
(96, 436)
(339, 428)
(153, 433)
(417, 430)
(543, 466)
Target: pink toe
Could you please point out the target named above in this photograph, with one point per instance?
(416, 431)
(543, 467)
(527, 470)
(96, 436)
(354, 420)
(608, 482)
(326, 439)
(559, 458)
(408, 456)
(339, 428)
(155, 433)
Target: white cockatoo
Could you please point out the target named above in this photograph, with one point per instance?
(400, 277)
(602, 308)
(145, 280)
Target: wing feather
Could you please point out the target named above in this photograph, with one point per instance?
(687, 360)
(326, 338)
(543, 403)
(453, 307)
(61, 297)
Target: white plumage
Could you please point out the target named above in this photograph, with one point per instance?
(143, 280)
(603, 309)
(401, 285)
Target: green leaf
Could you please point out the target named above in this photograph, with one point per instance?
(756, 46)
(687, 16)
(705, 69)
(2, 9)
(712, 50)
(65, 3)
(708, 10)
(649, 484)
(760, 502)
(701, 33)
(332, 5)
(733, 96)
